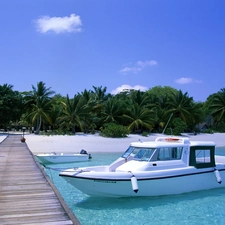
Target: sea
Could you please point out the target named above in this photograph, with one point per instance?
(194, 208)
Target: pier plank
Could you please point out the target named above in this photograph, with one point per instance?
(27, 196)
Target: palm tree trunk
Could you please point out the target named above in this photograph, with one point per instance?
(73, 130)
(167, 123)
(39, 126)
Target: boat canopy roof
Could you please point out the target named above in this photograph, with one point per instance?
(171, 141)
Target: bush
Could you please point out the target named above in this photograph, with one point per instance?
(145, 134)
(114, 130)
(208, 131)
(179, 126)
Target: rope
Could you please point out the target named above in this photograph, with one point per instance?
(56, 169)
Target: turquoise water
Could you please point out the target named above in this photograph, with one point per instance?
(203, 207)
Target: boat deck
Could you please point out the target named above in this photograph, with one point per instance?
(27, 195)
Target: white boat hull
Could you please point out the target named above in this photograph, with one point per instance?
(123, 186)
(167, 166)
(64, 158)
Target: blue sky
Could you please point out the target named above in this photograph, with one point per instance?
(72, 45)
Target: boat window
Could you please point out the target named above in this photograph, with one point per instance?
(128, 152)
(140, 154)
(169, 153)
(202, 156)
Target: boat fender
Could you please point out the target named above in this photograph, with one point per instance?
(218, 177)
(134, 184)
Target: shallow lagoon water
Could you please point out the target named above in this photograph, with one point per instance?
(203, 207)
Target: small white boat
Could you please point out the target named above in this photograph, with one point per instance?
(168, 165)
(48, 158)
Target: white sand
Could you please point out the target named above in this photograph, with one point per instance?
(95, 143)
(73, 144)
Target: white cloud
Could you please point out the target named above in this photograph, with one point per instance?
(147, 63)
(126, 87)
(138, 66)
(59, 24)
(186, 80)
(130, 69)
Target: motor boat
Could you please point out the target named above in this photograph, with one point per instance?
(49, 158)
(168, 165)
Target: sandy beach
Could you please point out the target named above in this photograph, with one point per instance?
(95, 143)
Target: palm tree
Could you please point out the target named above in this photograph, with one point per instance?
(73, 113)
(139, 117)
(89, 116)
(139, 113)
(218, 106)
(113, 111)
(180, 105)
(38, 105)
(159, 106)
(196, 114)
(162, 119)
(11, 106)
(98, 96)
(140, 97)
(56, 111)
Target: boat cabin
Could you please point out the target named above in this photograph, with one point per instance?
(173, 150)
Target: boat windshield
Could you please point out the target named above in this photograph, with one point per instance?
(143, 154)
(153, 154)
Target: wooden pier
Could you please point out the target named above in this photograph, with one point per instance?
(27, 195)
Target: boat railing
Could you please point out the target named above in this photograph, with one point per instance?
(116, 164)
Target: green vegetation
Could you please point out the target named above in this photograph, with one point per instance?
(160, 109)
(38, 105)
(114, 130)
(11, 106)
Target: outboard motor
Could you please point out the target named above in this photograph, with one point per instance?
(83, 151)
